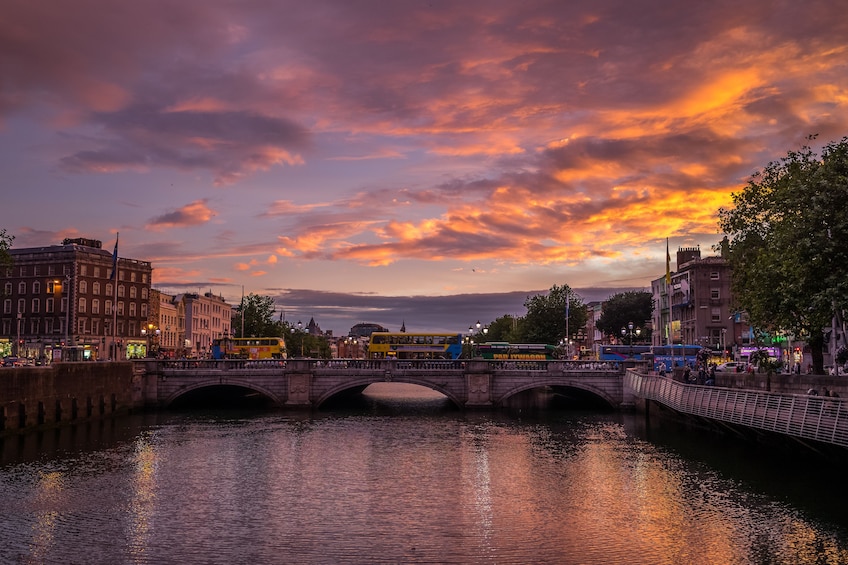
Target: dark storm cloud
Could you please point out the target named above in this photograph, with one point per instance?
(340, 311)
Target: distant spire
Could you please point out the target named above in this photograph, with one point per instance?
(403, 327)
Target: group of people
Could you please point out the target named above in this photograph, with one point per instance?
(705, 375)
(825, 392)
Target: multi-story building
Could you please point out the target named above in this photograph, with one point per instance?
(696, 308)
(207, 317)
(64, 301)
(166, 323)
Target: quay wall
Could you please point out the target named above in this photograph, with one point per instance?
(36, 397)
(784, 383)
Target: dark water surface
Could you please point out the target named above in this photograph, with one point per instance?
(404, 480)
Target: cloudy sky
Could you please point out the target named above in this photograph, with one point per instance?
(433, 161)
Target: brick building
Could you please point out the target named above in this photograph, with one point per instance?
(61, 301)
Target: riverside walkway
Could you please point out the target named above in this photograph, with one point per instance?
(817, 418)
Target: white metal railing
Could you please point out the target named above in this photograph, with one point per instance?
(819, 418)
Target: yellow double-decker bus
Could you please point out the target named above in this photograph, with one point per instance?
(402, 345)
(249, 348)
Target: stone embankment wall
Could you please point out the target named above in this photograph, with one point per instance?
(784, 383)
(34, 397)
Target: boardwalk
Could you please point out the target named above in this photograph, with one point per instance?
(816, 418)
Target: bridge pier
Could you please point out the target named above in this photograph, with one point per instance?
(300, 376)
(478, 383)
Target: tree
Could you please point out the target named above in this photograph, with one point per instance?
(505, 328)
(545, 321)
(788, 245)
(625, 307)
(258, 312)
(5, 245)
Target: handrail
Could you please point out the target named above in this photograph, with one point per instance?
(818, 418)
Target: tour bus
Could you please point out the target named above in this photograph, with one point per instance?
(505, 350)
(249, 348)
(402, 345)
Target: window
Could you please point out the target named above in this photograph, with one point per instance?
(108, 310)
(7, 308)
(95, 288)
(122, 291)
(82, 305)
(21, 305)
(36, 306)
(132, 276)
(36, 287)
(95, 306)
(133, 292)
(35, 270)
(97, 272)
(120, 308)
(53, 287)
(51, 270)
(21, 288)
(715, 293)
(715, 315)
(48, 305)
(714, 276)
(144, 293)
(95, 327)
(7, 288)
(132, 309)
(144, 310)
(84, 270)
(83, 287)
(108, 289)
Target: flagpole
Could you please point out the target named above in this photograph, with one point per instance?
(115, 299)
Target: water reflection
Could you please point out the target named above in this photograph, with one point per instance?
(399, 478)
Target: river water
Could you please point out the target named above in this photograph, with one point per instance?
(403, 479)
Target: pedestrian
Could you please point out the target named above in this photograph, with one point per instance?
(813, 392)
(662, 369)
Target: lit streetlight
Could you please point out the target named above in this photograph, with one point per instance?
(630, 331)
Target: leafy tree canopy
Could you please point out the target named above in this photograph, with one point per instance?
(504, 328)
(5, 245)
(620, 309)
(787, 241)
(258, 313)
(545, 321)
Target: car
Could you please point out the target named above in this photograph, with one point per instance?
(731, 367)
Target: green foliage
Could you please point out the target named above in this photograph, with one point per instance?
(258, 312)
(505, 328)
(5, 245)
(788, 244)
(620, 309)
(545, 321)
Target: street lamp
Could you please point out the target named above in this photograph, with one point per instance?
(145, 335)
(302, 337)
(630, 331)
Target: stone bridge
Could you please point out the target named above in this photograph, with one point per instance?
(309, 383)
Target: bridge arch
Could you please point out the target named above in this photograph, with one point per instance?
(182, 391)
(365, 381)
(599, 392)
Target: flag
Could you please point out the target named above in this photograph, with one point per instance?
(667, 264)
(114, 259)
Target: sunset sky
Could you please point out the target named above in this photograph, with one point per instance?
(430, 162)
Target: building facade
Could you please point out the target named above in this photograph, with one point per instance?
(206, 317)
(65, 302)
(696, 308)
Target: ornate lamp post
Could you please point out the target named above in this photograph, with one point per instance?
(630, 331)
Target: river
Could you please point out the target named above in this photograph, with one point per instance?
(402, 478)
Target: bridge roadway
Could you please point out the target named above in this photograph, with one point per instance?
(311, 382)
